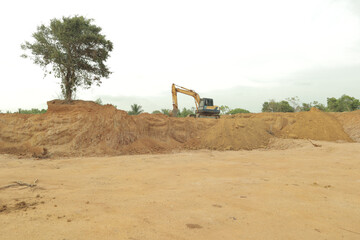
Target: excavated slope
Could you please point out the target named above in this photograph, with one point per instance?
(315, 125)
(88, 129)
(351, 123)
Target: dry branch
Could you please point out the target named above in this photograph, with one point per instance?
(20, 183)
(314, 144)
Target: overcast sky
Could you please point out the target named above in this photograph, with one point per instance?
(241, 53)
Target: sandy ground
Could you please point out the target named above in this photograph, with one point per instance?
(303, 193)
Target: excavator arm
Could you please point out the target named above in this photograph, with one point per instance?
(175, 90)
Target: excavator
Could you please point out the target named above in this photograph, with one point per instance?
(204, 106)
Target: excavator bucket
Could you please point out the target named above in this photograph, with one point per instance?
(174, 112)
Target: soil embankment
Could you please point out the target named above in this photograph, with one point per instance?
(351, 123)
(88, 129)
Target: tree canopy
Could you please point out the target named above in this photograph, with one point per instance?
(224, 110)
(273, 106)
(166, 111)
(73, 49)
(343, 104)
(307, 106)
(237, 110)
(135, 109)
(186, 112)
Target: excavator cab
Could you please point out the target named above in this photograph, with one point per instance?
(206, 102)
(207, 108)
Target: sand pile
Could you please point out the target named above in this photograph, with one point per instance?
(315, 124)
(88, 129)
(351, 123)
(234, 134)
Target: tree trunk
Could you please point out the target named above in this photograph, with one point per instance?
(68, 87)
(68, 94)
(68, 91)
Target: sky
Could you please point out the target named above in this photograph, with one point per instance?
(241, 53)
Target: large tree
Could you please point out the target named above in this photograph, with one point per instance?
(73, 49)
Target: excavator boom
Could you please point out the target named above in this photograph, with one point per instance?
(176, 89)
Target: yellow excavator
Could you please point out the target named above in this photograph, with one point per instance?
(204, 106)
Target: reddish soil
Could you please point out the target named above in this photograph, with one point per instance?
(88, 129)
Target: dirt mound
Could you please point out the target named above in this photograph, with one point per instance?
(314, 109)
(351, 123)
(315, 124)
(234, 134)
(88, 129)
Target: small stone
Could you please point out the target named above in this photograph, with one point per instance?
(192, 225)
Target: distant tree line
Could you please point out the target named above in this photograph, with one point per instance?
(343, 104)
(225, 110)
(181, 113)
(186, 112)
(31, 111)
